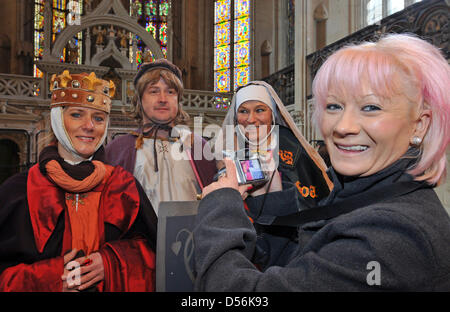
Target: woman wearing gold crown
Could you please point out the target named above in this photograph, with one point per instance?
(72, 222)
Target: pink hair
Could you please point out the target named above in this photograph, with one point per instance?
(427, 75)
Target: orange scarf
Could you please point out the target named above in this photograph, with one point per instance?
(82, 203)
(61, 178)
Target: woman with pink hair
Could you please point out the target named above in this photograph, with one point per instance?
(383, 110)
(397, 68)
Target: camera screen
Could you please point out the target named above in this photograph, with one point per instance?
(252, 169)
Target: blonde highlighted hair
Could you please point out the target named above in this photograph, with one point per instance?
(426, 82)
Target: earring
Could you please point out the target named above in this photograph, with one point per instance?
(416, 141)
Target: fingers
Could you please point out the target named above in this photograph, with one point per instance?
(89, 280)
(66, 288)
(243, 189)
(84, 281)
(80, 266)
(224, 181)
(92, 271)
(69, 256)
(72, 273)
(231, 169)
(86, 272)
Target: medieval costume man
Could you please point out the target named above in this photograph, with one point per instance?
(163, 154)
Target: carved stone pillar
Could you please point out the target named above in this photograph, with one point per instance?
(47, 28)
(134, 51)
(87, 58)
(300, 61)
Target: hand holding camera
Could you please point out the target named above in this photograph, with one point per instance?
(250, 168)
(227, 178)
(249, 174)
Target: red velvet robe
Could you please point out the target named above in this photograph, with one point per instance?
(35, 234)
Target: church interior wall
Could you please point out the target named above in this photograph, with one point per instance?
(263, 30)
(192, 42)
(338, 22)
(9, 26)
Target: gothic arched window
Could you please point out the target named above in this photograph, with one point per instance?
(73, 51)
(231, 44)
(153, 16)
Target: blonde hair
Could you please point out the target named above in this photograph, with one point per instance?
(426, 73)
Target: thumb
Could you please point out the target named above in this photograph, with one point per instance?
(231, 169)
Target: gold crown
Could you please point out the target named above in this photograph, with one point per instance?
(83, 89)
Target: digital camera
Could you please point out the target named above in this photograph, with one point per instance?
(249, 169)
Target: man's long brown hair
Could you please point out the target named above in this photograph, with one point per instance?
(152, 77)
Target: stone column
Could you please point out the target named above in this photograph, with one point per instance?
(87, 58)
(300, 63)
(47, 28)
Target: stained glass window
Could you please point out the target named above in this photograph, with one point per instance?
(59, 17)
(73, 51)
(231, 44)
(152, 15)
(38, 34)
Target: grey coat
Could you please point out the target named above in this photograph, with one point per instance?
(400, 244)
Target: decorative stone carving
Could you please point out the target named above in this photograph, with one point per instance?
(266, 48)
(101, 16)
(123, 35)
(100, 35)
(17, 86)
(111, 50)
(320, 13)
